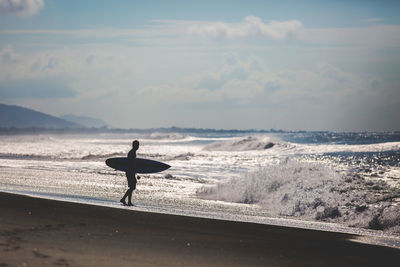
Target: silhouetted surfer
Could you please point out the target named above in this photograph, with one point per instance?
(131, 174)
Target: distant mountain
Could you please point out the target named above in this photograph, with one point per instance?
(85, 121)
(19, 117)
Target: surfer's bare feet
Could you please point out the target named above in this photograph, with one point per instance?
(123, 202)
(130, 204)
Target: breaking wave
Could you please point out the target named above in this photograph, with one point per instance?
(25, 156)
(314, 191)
(166, 136)
(244, 144)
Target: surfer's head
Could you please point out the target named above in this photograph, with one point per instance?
(135, 144)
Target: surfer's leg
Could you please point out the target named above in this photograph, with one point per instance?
(132, 186)
(127, 193)
(130, 190)
(124, 197)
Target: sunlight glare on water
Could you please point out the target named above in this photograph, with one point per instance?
(261, 176)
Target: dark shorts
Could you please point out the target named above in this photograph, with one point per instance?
(131, 180)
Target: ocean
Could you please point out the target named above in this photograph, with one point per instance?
(346, 182)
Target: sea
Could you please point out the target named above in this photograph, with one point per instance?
(331, 181)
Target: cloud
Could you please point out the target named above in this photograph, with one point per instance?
(181, 30)
(272, 86)
(251, 26)
(21, 7)
(36, 89)
(379, 36)
(373, 20)
(250, 83)
(164, 81)
(15, 65)
(333, 73)
(164, 33)
(7, 56)
(73, 73)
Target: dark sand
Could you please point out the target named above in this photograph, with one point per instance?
(39, 232)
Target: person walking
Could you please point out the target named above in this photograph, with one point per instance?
(131, 174)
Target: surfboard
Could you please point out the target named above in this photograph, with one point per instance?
(141, 165)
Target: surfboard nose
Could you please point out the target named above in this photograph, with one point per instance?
(167, 166)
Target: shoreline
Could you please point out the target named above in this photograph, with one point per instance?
(370, 236)
(38, 231)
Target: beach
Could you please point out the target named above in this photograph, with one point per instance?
(42, 232)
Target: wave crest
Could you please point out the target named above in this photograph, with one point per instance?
(166, 136)
(244, 144)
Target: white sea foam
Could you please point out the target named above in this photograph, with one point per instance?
(313, 191)
(279, 187)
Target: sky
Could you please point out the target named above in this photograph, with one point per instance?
(291, 65)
